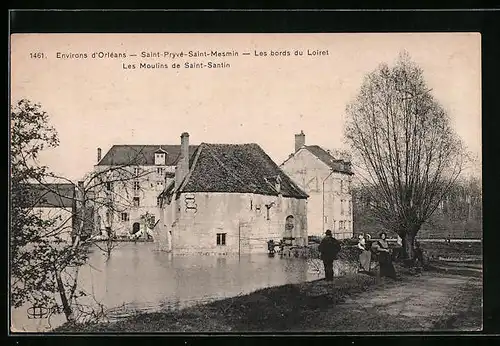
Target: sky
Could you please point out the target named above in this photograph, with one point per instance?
(98, 102)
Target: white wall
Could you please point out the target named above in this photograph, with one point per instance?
(324, 209)
(123, 193)
(198, 217)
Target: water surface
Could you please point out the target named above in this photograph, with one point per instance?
(139, 278)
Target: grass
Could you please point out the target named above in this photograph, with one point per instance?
(282, 308)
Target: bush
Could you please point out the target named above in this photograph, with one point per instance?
(349, 242)
(349, 253)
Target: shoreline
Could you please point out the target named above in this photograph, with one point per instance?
(295, 307)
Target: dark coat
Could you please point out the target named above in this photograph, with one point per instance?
(329, 248)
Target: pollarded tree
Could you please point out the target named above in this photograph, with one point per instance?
(405, 152)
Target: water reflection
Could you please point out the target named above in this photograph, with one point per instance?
(139, 278)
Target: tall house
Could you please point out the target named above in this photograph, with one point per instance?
(129, 180)
(327, 181)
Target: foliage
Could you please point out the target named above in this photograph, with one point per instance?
(40, 263)
(46, 254)
(148, 219)
(30, 133)
(405, 152)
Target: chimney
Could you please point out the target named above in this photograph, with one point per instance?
(183, 164)
(300, 140)
(99, 154)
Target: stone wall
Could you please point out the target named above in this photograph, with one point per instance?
(309, 173)
(245, 220)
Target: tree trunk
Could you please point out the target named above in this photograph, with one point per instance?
(68, 312)
(109, 247)
(408, 246)
(408, 238)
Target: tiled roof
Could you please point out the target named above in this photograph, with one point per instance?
(335, 164)
(52, 195)
(142, 155)
(236, 168)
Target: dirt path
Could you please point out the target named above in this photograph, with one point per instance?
(427, 302)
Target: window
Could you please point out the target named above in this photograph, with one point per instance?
(341, 224)
(221, 238)
(136, 201)
(341, 186)
(159, 158)
(136, 171)
(341, 207)
(159, 185)
(159, 202)
(160, 170)
(109, 186)
(137, 186)
(326, 219)
(108, 217)
(125, 217)
(350, 207)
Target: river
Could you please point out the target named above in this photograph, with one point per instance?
(137, 278)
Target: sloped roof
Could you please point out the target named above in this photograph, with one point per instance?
(142, 155)
(336, 165)
(236, 168)
(52, 195)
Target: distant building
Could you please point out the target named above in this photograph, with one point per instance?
(132, 178)
(327, 181)
(230, 198)
(56, 204)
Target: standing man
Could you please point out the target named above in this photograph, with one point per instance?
(329, 248)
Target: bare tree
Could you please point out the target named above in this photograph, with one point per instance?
(405, 152)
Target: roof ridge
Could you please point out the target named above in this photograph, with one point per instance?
(191, 169)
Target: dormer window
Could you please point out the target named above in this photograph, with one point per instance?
(160, 158)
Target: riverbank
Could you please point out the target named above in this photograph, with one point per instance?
(350, 303)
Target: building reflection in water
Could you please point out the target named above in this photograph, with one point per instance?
(139, 277)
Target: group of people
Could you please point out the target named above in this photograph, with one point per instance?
(330, 247)
(381, 249)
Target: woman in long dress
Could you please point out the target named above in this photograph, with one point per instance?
(384, 257)
(365, 256)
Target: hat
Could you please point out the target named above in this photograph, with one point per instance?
(328, 232)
